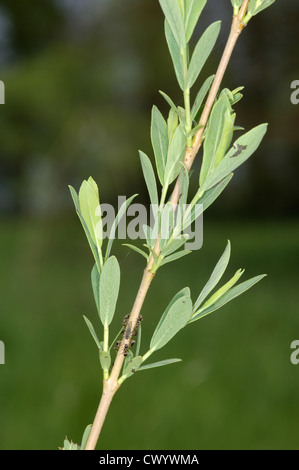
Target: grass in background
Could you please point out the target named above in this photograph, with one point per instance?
(236, 387)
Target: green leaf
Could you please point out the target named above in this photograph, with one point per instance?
(159, 137)
(138, 250)
(174, 244)
(175, 156)
(128, 359)
(175, 317)
(67, 445)
(177, 110)
(175, 256)
(216, 275)
(132, 366)
(93, 332)
(175, 55)
(193, 9)
(148, 234)
(256, 6)
(166, 224)
(218, 136)
(201, 53)
(95, 282)
(173, 15)
(172, 123)
(220, 292)
(166, 362)
(85, 436)
(194, 131)
(90, 210)
(243, 148)
(184, 187)
(201, 96)
(92, 245)
(138, 341)
(109, 289)
(149, 177)
(236, 3)
(118, 218)
(230, 295)
(105, 359)
(75, 198)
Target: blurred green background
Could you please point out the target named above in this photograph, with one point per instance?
(81, 78)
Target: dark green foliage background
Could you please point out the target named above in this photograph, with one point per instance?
(79, 90)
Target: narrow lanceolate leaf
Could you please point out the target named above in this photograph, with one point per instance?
(172, 123)
(193, 9)
(216, 275)
(109, 288)
(138, 341)
(184, 188)
(242, 149)
(175, 55)
(93, 332)
(201, 52)
(132, 366)
(92, 245)
(149, 177)
(175, 317)
(174, 244)
(85, 436)
(173, 15)
(118, 218)
(95, 282)
(175, 256)
(201, 96)
(167, 222)
(230, 295)
(218, 137)
(172, 106)
(166, 362)
(256, 6)
(175, 156)
(222, 291)
(90, 210)
(159, 137)
(138, 250)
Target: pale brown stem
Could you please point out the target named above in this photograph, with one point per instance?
(100, 416)
(111, 385)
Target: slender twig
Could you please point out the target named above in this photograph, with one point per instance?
(111, 385)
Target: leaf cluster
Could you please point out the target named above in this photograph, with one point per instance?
(171, 137)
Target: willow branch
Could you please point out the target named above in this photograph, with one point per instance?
(111, 385)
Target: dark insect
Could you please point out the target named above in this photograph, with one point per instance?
(126, 349)
(117, 345)
(239, 149)
(125, 320)
(128, 331)
(133, 371)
